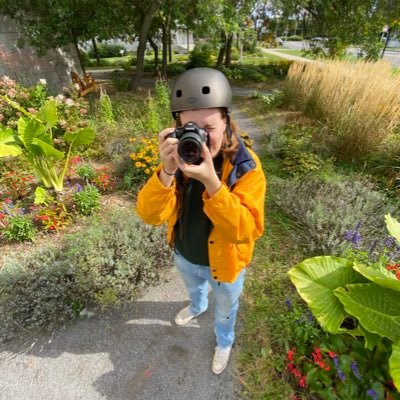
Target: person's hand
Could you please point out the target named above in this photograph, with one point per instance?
(204, 172)
(168, 150)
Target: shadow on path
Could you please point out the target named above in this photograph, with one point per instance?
(133, 354)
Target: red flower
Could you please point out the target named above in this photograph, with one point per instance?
(332, 354)
(290, 355)
(398, 275)
(2, 215)
(302, 381)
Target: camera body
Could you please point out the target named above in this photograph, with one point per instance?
(191, 138)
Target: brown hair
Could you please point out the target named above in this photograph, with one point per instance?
(228, 150)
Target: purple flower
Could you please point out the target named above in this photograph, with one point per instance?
(78, 187)
(356, 239)
(336, 362)
(354, 368)
(288, 304)
(389, 241)
(348, 236)
(310, 316)
(341, 375)
(372, 393)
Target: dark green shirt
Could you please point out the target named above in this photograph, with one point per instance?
(193, 226)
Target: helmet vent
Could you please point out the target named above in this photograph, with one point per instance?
(179, 93)
(205, 89)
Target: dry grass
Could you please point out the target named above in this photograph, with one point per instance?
(358, 102)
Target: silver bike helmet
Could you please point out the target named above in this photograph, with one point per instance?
(200, 88)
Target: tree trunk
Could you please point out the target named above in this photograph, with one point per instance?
(144, 30)
(221, 53)
(75, 42)
(155, 48)
(165, 51)
(96, 51)
(228, 50)
(169, 40)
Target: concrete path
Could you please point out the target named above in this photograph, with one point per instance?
(284, 55)
(132, 354)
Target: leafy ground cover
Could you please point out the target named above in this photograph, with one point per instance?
(318, 205)
(324, 199)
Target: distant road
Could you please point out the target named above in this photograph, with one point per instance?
(390, 55)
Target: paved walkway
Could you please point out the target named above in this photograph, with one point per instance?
(285, 55)
(136, 353)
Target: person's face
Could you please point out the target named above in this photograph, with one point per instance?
(211, 120)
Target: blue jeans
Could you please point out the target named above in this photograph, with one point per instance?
(196, 279)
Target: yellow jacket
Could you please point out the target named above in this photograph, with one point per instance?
(236, 212)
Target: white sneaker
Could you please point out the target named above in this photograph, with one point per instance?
(185, 316)
(221, 358)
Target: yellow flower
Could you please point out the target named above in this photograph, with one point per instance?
(147, 171)
(138, 164)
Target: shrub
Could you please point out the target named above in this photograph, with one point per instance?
(324, 211)
(106, 50)
(175, 68)
(53, 215)
(86, 172)
(269, 100)
(145, 157)
(258, 73)
(295, 38)
(36, 290)
(200, 56)
(87, 200)
(120, 255)
(18, 184)
(108, 261)
(19, 228)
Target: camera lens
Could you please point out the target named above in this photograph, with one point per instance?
(189, 149)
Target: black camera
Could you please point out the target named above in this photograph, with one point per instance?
(191, 138)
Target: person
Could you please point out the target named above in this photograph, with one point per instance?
(214, 207)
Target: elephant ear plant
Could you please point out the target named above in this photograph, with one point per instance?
(34, 140)
(358, 298)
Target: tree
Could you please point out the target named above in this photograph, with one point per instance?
(49, 24)
(146, 15)
(342, 22)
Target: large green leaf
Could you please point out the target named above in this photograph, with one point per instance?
(315, 279)
(7, 143)
(394, 366)
(376, 308)
(28, 129)
(393, 227)
(48, 113)
(381, 276)
(80, 137)
(47, 149)
(371, 339)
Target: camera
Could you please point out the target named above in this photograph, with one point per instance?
(191, 138)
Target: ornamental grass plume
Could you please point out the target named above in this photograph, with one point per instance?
(359, 103)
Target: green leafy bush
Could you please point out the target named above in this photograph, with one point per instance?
(269, 100)
(107, 262)
(274, 70)
(295, 38)
(106, 50)
(19, 228)
(87, 200)
(86, 171)
(358, 298)
(200, 56)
